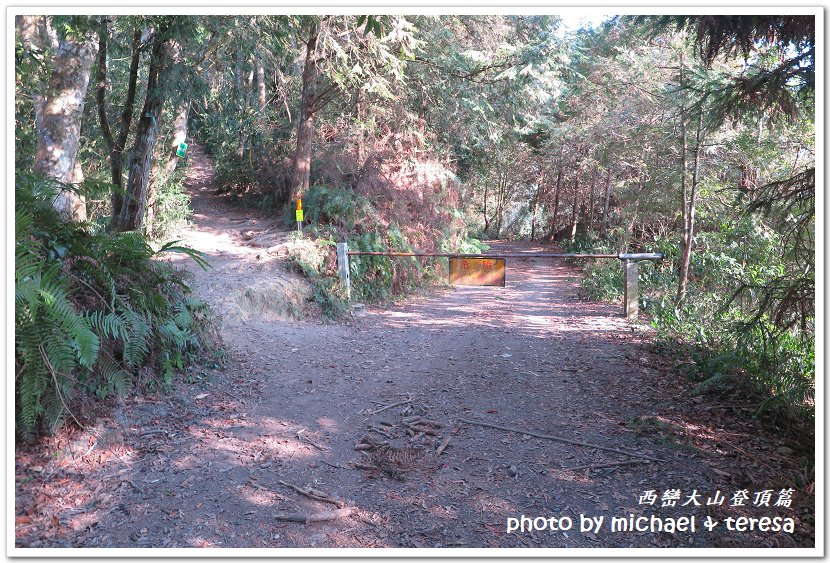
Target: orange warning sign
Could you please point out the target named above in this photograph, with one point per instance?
(477, 271)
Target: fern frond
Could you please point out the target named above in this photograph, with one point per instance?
(136, 347)
(707, 384)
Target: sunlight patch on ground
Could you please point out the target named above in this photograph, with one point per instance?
(327, 423)
(260, 496)
(201, 542)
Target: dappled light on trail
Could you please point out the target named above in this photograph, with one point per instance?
(430, 421)
(540, 299)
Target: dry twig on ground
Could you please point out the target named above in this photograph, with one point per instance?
(558, 439)
(319, 517)
(314, 494)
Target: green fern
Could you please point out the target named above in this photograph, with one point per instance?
(711, 382)
(90, 309)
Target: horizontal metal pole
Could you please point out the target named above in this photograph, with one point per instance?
(445, 255)
(642, 256)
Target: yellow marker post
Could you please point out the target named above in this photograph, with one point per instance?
(299, 215)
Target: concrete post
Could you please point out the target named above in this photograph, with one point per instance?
(343, 267)
(631, 297)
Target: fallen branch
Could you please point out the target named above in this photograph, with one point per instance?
(393, 405)
(380, 431)
(417, 428)
(614, 464)
(425, 422)
(45, 357)
(445, 441)
(309, 441)
(319, 517)
(558, 439)
(359, 465)
(314, 494)
(335, 465)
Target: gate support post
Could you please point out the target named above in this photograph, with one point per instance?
(343, 267)
(630, 298)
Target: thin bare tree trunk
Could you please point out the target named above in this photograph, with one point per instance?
(58, 128)
(555, 204)
(575, 207)
(486, 219)
(683, 162)
(591, 202)
(536, 196)
(603, 228)
(690, 215)
(500, 206)
(240, 96)
(260, 82)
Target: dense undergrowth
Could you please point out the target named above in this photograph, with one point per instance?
(96, 313)
(728, 349)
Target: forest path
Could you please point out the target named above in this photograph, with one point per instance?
(204, 467)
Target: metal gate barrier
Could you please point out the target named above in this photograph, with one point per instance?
(628, 260)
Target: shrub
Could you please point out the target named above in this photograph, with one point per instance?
(732, 341)
(91, 308)
(172, 210)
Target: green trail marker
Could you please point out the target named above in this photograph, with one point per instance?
(181, 150)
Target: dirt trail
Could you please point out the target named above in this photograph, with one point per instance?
(203, 468)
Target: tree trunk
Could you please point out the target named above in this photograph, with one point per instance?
(603, 228)
(535, 208)
(683, 163)
(179, 136)
(500, 204)
(166, 162)
(115, 146)
(131, 215)
(240, 97)
(690, 214)
(28, 28)
(301, 176)
(555, 204)
(250, 88)
(591, 202)
(260, 82)
(58, 128)
(573, 213)
(486, 219)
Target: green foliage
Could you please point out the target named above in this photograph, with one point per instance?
(313, 259)
(172, 210)
(335, 206)
(780, 362)
(371, 275)
(90, 310)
